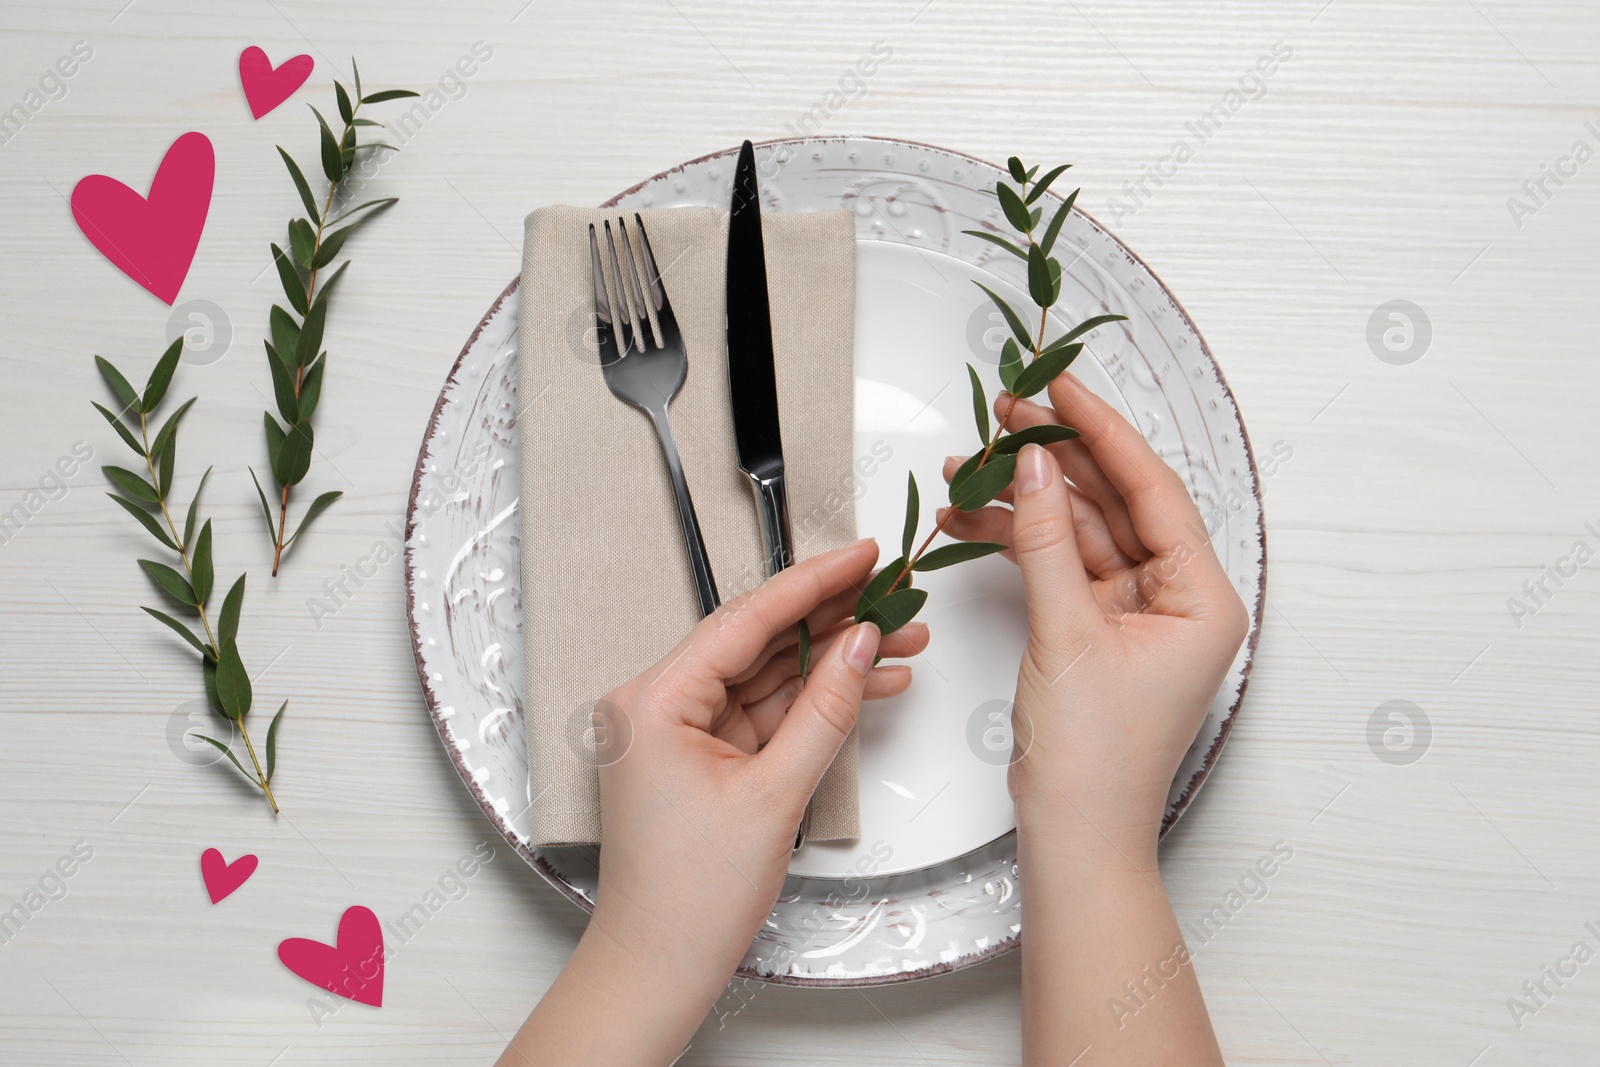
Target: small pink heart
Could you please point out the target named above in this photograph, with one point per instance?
(266, 86)
(151, 240)
(221, 877)
(352, 968)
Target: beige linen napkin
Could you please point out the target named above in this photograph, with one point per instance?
(606, 588)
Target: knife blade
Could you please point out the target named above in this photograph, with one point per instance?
(752, 381)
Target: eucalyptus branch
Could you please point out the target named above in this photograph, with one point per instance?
(227, 683)
(294, 352)
(890, 600)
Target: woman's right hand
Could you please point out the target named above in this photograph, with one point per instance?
(1132, 622)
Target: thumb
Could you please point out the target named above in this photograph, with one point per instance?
(825, 712)
(1060, 601)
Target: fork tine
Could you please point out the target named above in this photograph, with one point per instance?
(658, 292)
(605, 339)
(647, 337)
(625, 320)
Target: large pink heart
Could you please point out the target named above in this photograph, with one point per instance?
(352, 968)
(265, 86)
(151, 240)
(222, 877)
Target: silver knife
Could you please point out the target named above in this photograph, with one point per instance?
(752, 382)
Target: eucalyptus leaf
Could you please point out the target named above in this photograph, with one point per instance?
(274, 441)
(119, 385)
(1039, 287)
(283, 387)
(310, 340)
(165, 462)
(959, 552)
(331, 243)
(302, 242)
(228, 617)
(182, 631)
(1010, 363)
(294, 457)
(1037, 375)
(226, 751)
(233, 681)
(1013, 320)
(201, 573)
(318, 506)
(343, 99)
(380, 203)
(132, 484)
(122, 431)
(169, 429)
(878, 587)
(147, 520)
(894, 610)
(161, 376)
(194, 507)
(285, 333)
(266, 508)
(913, 513)
(996, 239)
(1082, 328)
(1011, 204)
(1049, 240)
(364, 122)
(332, 162)
(1019, 173)
(1044, 434)
(208, 674)
(293, 288)
(300, 183)
(327, 287)
(171, 582)
(1042, 184)
(272, 741)
(311, 387)
(980, 406)
(387, 94)
(356, 72)
(983, 484)
(804, 650)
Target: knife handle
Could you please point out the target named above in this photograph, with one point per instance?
(772, 498)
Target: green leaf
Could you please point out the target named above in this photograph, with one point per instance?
(347, 147)
(283, 387)
(1010, 363)
(343, 98)
(274, 441)
(318, 506)
(208, 674)
(380, 203)
(1012, 319)
(1033, 218)
(804, 650)
(983, 484)
(147, 520)
(294, 457)
(1019, 173)
(302, 242)
(132, 484)
(119, 384)
(1044, 434)
(1032, 171)
(122, 431)
(980, 406)
(310, 342)
(200, 568)
(285, 333)
(300, 183)
(266, 508)
(1082, 328)
(169, 429)
(165, 462)
(1056, 221)
(996, 239)
(311, 387)
(327, 287)
(387, 94)
(878, 587)
(1044, 183)
(293, 287)
(1038, 374)
(194, 507)
(272, 741)
(356, 71)
(226, 751)
(365, 122)
(161, 376)
(959, 552)
(913, 513)
(1039, 287)
(379, 144)
(895, 610)
(182, 631)
(172, 583)
(233, 681)
(1011, 204)
(332, 161)
(1055, 280)
(228, 617)
(331, 245)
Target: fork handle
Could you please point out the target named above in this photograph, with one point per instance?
(705, 586)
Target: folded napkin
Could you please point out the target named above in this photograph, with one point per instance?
(606, 587)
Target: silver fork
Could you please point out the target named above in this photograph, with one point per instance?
(648, 377)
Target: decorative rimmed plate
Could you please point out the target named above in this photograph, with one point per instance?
(931, 886)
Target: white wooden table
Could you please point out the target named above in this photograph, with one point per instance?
(1411, 500)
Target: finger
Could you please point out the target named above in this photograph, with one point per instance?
(1061, 605)
(1080, 466)
(825, 617)
(985, 524)
(824, 714)
(766, 715)
(1101, 554)
(909, 640)
(728, 641)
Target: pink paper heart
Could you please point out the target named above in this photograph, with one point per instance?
(352, 968)
(221, 877)
(151, 239)
(266, 86)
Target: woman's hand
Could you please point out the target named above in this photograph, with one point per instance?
(1132, 625)
(707, 762)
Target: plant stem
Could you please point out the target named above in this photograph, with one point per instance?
(300, 372)
(183, 554)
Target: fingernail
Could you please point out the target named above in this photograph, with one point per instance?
(939, 514)
(958, 460)
(861, 646)
(1032, 474)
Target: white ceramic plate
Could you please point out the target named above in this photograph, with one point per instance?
(930, 884)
